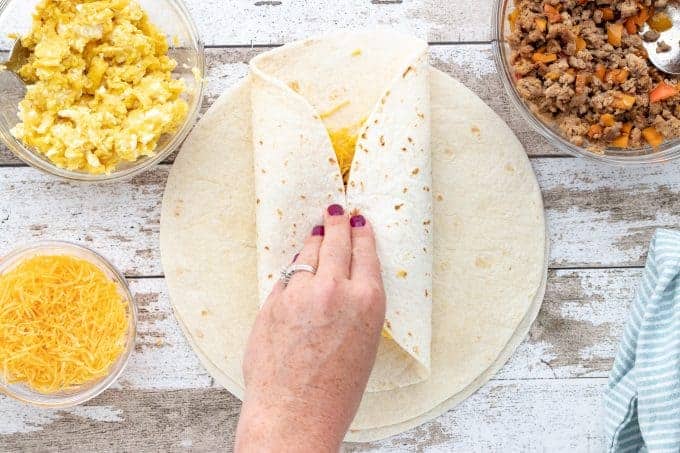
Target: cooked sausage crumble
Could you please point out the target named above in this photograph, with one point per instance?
(581, 65)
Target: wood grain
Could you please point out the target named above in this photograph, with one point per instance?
(563, 415)
(472, 64)
(576, 333)
(597, 215)
(246, 22)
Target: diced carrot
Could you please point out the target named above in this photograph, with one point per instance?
(631, 26)
(660, 22)
(626, 128)
(552, 13)
(595, 131)
(607, 13)
(552, 75)
(642, 17)
(614, 33)
(539, 57)
(607, 120)
(571, 71)
(600, 72)
(541, 24)
(583, 2)
(623, 101)
(617, 75)
(580, 44)
(583, 79)
(512, 18)
(652, 136)
(662, 91)
(621, 141)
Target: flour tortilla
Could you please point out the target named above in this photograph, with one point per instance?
(381, 80)
(490, 259)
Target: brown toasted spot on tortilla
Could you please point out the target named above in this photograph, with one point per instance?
(416, 350)
(261, 142)
(270, 276)
(448, 152)
(410, 140)
(415, 171)
(440, 197)
(204, 313)
(388, 324)
(266, 247)
(427, 293)
(402, 274)
(404, 149)
(427, 222)
(426, 188)
(509, 168)
(376, 121)
(264, 171)
(283, 181)
(382, 140)
(409, 334)
(295, 86)
(353, 184)
(363, 135)
(303, 197)
(279, 213)
(332, 161)
(398, 206)
(199, 334)
(475, 130)
(482, 263)
(421, 115)
(257, 201)
(408, 70)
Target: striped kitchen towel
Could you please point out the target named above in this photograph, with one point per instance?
(642, 400)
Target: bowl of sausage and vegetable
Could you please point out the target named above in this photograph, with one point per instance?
(579, 72)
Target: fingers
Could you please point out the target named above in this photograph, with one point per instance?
(365, 263)
(335, 255)
(309, 254)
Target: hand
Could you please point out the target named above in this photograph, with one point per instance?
(314, 343)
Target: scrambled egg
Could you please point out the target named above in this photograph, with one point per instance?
(101, 88)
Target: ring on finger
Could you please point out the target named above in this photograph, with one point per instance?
(293, 269)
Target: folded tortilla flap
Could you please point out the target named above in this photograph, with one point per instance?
(391, 183)
(322, 105)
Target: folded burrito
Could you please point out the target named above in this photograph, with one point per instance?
(346, 120)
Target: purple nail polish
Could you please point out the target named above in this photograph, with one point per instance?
(297, 255)
(357, 221)
(318, 230)
(335, 210)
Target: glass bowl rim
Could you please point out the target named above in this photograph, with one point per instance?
(30, 157)
(650, 156)
(87, 391)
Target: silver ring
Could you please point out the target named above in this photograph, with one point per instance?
(291, 270)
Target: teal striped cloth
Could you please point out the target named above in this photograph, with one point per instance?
(642, 400)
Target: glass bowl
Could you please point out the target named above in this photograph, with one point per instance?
(172, 18)
(500, 26)
(79, 395)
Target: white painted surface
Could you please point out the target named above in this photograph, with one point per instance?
(547, 398)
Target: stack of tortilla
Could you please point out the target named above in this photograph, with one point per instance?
(362, 120)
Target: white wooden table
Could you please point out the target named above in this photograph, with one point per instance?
(547, 398)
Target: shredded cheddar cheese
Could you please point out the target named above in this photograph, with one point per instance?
(63, 323)
(344, 142)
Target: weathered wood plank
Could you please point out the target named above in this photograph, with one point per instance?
(575, 335)
(598, 215)
(472, 64)
(245, 22)
(550, 415)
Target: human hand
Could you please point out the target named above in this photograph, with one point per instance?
(314, 343)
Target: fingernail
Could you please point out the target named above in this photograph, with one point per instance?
(357, 221)
(297, 255)
(335, 210)
(318, 230)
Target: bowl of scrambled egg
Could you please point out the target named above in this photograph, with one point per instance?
(109, 88)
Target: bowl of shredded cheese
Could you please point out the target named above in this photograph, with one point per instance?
(67, 324)
(110, 87)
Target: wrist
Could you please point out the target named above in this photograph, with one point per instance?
(286, 425)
